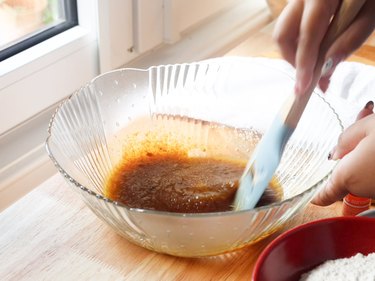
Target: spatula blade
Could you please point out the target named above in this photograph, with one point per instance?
(262, 165)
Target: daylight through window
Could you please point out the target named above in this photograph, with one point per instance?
(24, 23)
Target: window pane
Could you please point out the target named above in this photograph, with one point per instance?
(24, 23)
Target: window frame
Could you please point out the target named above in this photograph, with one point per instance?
(55, 58)
(70, 8)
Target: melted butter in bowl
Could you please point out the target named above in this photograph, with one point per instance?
(183, 165)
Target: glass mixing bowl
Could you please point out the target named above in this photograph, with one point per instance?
(86, 141)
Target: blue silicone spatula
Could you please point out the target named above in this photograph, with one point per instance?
(267, 155)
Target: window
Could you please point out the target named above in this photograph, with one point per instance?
(40, 76)
(25, 23)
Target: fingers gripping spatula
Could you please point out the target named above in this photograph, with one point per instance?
(266, 157)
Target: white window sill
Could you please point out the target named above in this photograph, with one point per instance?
(43, 54)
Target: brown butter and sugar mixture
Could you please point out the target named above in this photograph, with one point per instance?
(164, 176)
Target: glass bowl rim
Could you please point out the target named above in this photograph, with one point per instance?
(167, 213)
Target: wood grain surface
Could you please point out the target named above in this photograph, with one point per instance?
(51, 235)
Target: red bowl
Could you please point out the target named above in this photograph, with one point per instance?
(304, 247)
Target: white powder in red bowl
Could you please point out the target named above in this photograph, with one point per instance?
(356, 268)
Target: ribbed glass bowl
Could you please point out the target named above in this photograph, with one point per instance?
(86, 141)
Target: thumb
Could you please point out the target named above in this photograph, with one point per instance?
(349, 174)
(333, 190)
(351, 166)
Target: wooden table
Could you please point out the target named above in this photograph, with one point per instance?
(50, 234)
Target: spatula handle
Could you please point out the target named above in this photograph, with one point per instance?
(345, 16)
(295, 105)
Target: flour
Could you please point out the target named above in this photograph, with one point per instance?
(356, 268)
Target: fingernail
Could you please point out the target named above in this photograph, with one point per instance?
(331, 154)
(327, 66)
(297, 89)
(330, 65)
(324, 84)
(302, 83)
(369, 105)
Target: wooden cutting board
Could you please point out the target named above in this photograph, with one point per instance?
(51, 235)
